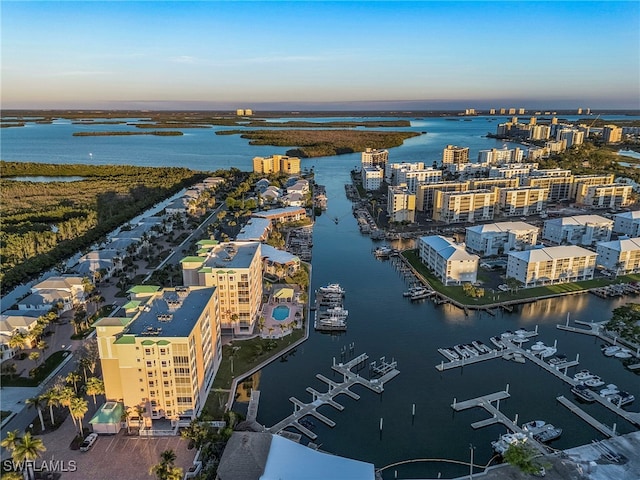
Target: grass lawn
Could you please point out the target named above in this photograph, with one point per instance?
(456, 293)
(248, 354)
(41, 372)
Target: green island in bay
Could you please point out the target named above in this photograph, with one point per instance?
(110, 134)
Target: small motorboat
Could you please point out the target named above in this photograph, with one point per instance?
(583, 375)
(542, 431)
(623, 353)
(621, 399)
(583, 393)
(611, 350)
(610, 389)
(594, 382)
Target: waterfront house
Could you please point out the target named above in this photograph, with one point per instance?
(577, 230)
(546, 266)
(499, 238)
(447, 260)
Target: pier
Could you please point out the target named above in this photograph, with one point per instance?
(595, 330)
(601, 427)
(486, 402)
(382, 370)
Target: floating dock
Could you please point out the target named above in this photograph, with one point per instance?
(382, 370)
(601, 427)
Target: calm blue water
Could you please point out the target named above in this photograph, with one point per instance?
(381, 321)
(280, 313)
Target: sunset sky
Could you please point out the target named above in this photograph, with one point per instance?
(211, 54)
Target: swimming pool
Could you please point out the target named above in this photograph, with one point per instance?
(280, 313)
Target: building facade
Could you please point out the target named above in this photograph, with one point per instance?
(550, 265)
(161, 362)
(578, 230)
(470, 206)
(521, 201)
(614, 196)
(498, 238)
(454, 155)
(372, 177)
(426, 193)
(627, 223)
(276, 164)
(401, 204)
(448, 261)
(372, 157)
(620, 256)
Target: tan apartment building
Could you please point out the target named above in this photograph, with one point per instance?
(550, 265)
(613, 196)
(276, 164)
(521, 201)
(425, 194)
(162, 361)
(454, 155)
(488, 183)
(557, 187)
(235, 268)
(620, 256)
(372, 157)
(469, 206)
(580, 181)
(611, 134)
(401, 204)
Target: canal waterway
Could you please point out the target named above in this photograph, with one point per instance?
(381, 321)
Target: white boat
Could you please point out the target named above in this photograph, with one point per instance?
(594, 382)
(420, 293)
(382, 252)
(623, 353)
(621, 398)
(501, 445)
(472, 351)
(497, 341)
(583, 393)
(610, 389)
(538, 347)
(610, 351)
(480, 347)
(460, 350)
(583, 375)
(542, 431)
(548, 352)
(332, 288)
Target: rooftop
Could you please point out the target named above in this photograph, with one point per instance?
(622, 245)
(501, 227)
(173, 313)
(278, 256)
(232, 255)
(254, 229)
(579, 220)
(551, 253)
(448, 249)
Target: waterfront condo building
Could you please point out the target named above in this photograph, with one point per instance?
(498, 238)
(161, 361)
(391, 169)
(620, 256)
(372, 177)
(454, 155)
(469, 206)
(488, 183)
(521, 201)
(578, 230)
(613, 196)
(276, 164)
(414, 178)
(557, 186)
(611, 134)
(580, 181)
(426, 193)
(572, 136)
(448, 261)
(513, 170)
(499, 156)
(235, 268)
(372, 157)
(627, 223)
(401, 204)
(546, 266)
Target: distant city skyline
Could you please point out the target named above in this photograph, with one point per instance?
(362, 55)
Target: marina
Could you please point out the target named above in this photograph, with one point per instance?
(330, 314)
(381, 371)
(573, 408)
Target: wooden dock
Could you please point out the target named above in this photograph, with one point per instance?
(383, 371)
(601, 427)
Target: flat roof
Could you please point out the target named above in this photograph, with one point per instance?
(110, 412)
(254, 229)
(232, 255)
(278, 256)
(580, 220)
(171, 314)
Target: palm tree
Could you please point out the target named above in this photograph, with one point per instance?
(166, 470)
(140, 412)
(35, 356)
(27, 449)
(65, 396)
(38, 403)
(73, 378)
(51, 397)
(95, 386)
(17, 341)
(11, 440)
(79, 408)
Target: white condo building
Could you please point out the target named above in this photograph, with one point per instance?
(546, 266)
(497, 156)
(627, 223)
(499, 238)
(620, 256)
(448, 261)
(413, 178)
(578, 230)
(372, 178)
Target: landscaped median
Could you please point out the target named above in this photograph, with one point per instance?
(456, 293)
(239, 358)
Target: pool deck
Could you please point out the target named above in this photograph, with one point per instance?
(277, 327)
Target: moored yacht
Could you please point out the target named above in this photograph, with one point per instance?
(583, 375)
(541, 431)
(621, 398)
(501, 445)
(623, 353)
(610, 389)
(583, 393)
(594, 382)
(611, 350)
(331, 288)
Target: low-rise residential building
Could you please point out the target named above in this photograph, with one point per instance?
(613, 196)
(578, 230)
(499, 238)
(99, 264)
(550, 265)
(255, 230)
(163, 360)
(13, 322)
(372, 177)
(521, 201)
(426, 193)
(620, 256)
(63, 292)
(627, 223)
(283, 215)
(470, 206)
(235, 268)
(279, 263)
(401, 204)
(450, 262)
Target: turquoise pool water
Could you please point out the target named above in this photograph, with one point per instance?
(281, 312)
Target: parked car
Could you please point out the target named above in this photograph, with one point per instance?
(88, 442)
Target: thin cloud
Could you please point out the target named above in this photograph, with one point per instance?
(77, 73)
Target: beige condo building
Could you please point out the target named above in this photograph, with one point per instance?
(401, 204)
(550, 265)
(612, 134)
(276, 164)
(469, 206)
(235, 268)
(454, 155)
(521, 201)
(425, 194)
(613, 196)
(161, 362)
(579, 181)
(620, 256)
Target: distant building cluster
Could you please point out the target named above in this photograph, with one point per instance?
(246, 112)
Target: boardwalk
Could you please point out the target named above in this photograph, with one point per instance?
(601, 427)
(384, 371)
